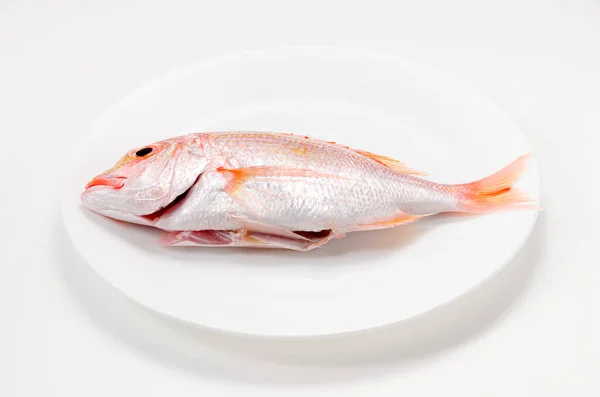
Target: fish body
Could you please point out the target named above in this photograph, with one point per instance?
(279, 190)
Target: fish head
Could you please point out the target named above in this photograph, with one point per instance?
(147, 180)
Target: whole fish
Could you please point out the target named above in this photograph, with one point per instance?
(276, 190)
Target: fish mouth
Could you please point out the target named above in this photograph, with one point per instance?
(116, 182)
(149, 219)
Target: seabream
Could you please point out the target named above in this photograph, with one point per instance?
(252, 189)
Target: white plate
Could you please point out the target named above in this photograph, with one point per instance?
(374, 102)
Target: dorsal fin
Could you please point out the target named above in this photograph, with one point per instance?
(387, 161)
(391, 163)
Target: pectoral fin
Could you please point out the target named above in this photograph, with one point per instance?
(237, 178)
(304, 242)
(265, 228)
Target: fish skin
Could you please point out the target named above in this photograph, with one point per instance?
(288, 181)
(359, 191)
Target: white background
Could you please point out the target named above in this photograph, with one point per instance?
(531, 331)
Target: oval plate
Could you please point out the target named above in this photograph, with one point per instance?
(375, 102)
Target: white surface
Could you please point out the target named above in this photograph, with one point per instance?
(532, 331)
(371, 101)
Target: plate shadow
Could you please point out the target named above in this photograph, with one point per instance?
(342, 358)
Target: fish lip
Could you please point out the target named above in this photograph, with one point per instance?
(114, 182)
(96, 188)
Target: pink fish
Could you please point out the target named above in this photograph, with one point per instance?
(279, 190)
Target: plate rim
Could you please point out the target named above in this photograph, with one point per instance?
(97, 123)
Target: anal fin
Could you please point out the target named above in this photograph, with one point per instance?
(396, 221)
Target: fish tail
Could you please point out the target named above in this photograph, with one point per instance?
(496, 192)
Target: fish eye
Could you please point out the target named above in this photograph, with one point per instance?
(143, 152)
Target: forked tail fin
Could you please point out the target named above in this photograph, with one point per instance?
(496, 192)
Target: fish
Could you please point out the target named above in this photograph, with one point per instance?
(280, 190)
